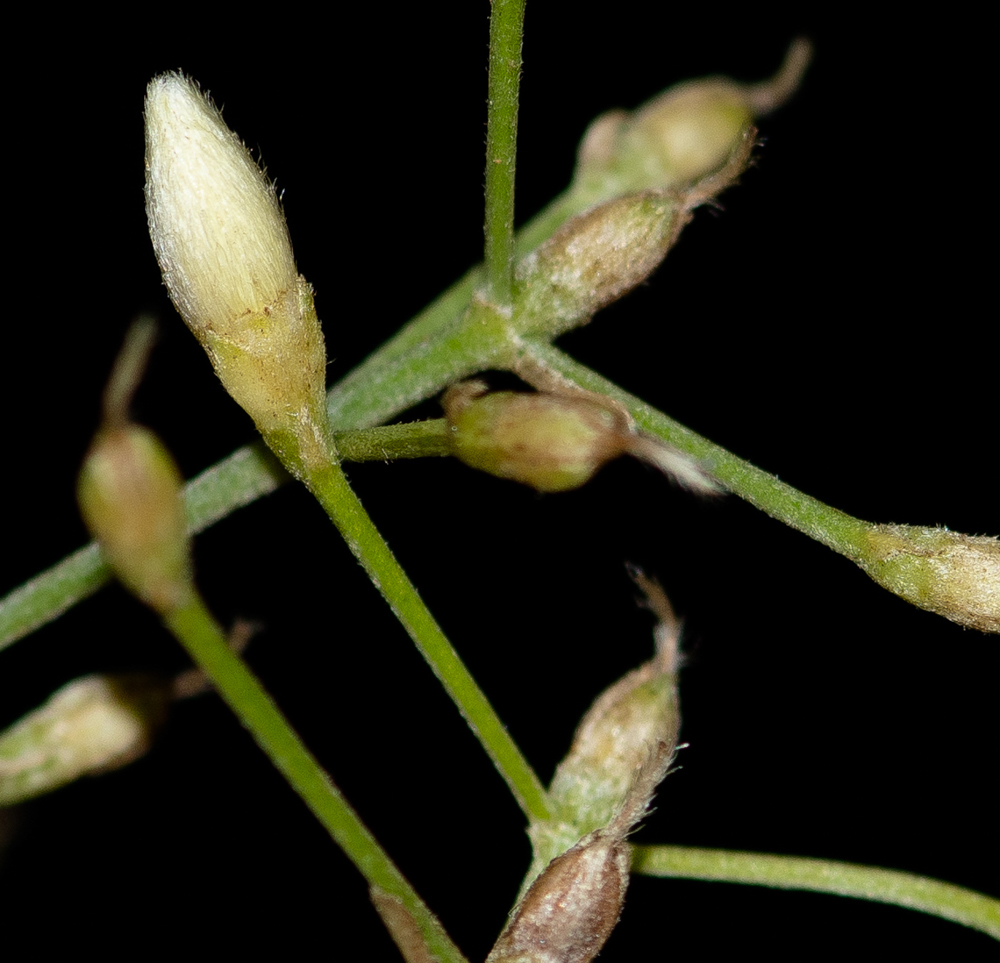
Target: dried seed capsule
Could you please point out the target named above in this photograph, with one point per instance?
(570, 911)
(572, 907)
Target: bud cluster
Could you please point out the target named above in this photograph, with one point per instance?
(576, 885)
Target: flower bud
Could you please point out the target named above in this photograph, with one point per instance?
(223, 247)
(954, 575)
(551, 442)
(593, 260)
(685, 134)
(614, 740)
(129, 492)
(92, 725)
(570, 910)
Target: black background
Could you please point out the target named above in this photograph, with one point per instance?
(831, 324)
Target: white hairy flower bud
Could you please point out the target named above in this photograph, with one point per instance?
(223, 247)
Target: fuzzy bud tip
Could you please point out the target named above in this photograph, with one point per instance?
(223, 248)
(954, 575)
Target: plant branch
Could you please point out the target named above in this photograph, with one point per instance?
(833, 528)
(195, 628)
(506, 29)
(238, 480)
(945, 572)
(825, 876)
(331, 488)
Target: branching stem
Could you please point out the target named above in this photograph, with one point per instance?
(825, 876)
(198, 632)
(335, 494)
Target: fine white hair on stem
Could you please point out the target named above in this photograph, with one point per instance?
(677, 466)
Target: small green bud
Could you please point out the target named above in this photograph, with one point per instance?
(685, 134)
(954, 575)
(92, 725)
(129, 492)
(223, 247)
(551, 442)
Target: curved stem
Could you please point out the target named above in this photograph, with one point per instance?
(198, 632)
(825, 876)
(331, 488)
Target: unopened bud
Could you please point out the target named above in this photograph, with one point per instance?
(954, 575)
(614, 739)
(553, 442)
(593, 260)
(92, 725)
(129, 492)
(686, 133)
(223, 247)
(569, 911)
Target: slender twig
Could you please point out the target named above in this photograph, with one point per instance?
(826, 876)
(236, 481)
(335, 494)
(506, 27)
(195, 628)
(827, 525)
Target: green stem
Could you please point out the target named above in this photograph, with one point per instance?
(827, 525)
(825, 876)
(198, 632)
(236, 481)
(331, 488)
(506, 29)
(416, 439)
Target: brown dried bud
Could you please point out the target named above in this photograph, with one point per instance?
(686, 133)
(570, 910)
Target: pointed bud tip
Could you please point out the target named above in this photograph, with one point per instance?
(215, 222)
